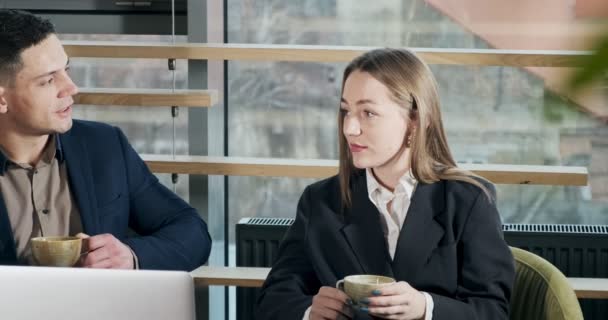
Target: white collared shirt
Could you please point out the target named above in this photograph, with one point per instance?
(392, 221)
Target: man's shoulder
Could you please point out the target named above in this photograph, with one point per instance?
(96, 134)
(85, 126)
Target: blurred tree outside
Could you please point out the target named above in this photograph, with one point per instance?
(595, 67)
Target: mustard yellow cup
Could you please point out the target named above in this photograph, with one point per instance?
(56, 251)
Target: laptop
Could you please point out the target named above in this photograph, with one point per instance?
(95, 294)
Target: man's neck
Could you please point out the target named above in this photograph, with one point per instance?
(21, 149)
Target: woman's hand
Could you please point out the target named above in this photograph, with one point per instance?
(396, 301)
(330, 303)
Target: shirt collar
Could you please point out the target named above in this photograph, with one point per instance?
(4, 160)
(406, 185)
(58, 148)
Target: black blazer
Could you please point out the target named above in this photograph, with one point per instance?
(450, 246)
(115, 192)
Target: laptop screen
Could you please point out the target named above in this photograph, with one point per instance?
(95, 294)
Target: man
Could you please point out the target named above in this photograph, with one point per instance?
(60, 176)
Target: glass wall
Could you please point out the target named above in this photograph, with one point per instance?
(493, 114)
(157, 132)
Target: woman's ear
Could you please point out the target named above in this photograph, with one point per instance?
(3, 101)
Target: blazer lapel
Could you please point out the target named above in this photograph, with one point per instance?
(420, 233)
(364, 233)
(81, 180)
(8, 254)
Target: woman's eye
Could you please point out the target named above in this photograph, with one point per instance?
(369, 114)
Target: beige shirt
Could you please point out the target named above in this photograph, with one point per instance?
(38, 199)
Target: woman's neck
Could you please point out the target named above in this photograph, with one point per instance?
(388, 174)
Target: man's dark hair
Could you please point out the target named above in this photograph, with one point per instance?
(19, 30)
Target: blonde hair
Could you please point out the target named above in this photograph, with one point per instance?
(411, 85)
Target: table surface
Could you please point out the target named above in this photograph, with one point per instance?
(588, 288)
(229, 276)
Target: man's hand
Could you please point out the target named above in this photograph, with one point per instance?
(330, 303)
(105, 251)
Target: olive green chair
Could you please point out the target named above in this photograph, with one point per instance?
(541, 291)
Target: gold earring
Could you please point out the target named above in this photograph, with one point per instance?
(410, 138)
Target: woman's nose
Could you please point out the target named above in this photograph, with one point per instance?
(351, 127)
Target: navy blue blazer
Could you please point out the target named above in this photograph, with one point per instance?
(116, 193)
(450, 246)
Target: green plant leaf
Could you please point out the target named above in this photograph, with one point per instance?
(594, 67)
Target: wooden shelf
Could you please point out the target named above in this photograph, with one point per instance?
(146, 97)
(526, 174)
(272, 167)
(231, 166)
(315, 53)
(585, 288)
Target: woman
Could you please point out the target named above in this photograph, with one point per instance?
(398, 207)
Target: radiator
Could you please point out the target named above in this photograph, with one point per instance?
(257, 244)
(577, 250)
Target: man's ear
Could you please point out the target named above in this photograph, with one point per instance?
(3, 101)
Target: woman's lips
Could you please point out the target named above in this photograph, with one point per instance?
(356, 148)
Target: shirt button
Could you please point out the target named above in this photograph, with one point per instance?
(45, 211)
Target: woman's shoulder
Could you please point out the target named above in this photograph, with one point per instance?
(324, 194)
(331, 185)
(470, 189)
(325, 186)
